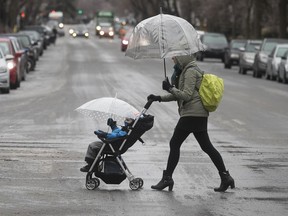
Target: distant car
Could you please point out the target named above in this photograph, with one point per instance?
(216, 44)
(58, 25)
(106, 31)
(273, 61)
(232, 52)
(125, 40)
(247, 55)
(283, 69)
(42, 31)
(36, 40)
(12, 58)
(4, 74)
(261, 57)
(80, 31)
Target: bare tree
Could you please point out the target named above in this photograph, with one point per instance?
(282, 18)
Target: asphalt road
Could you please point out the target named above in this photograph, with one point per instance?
(43, 140)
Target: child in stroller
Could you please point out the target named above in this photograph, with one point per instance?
(94, 147)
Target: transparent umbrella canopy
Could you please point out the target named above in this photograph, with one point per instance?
(108, 107)
(163, 36)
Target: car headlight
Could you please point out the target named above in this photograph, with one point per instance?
(101, 32)
(125, 42)
(111, 33)
(234, 55)
(61, 25)
(263, 57)
(11, 65)
(74, 34)
(86, 34)
(71, 31)
(98, 28)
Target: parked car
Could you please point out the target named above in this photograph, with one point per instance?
(4, 74)
(216, 44)
(261, 57)
(36, 40)
(232, 52)
(247, 55)
(26, 45)
(273, 61)
(80, 31)
(12, 59)
(125, 40)
(283, 69)
(23, 55)
(42, 31)
(106, 30)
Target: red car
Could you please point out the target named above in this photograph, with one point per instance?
(12, 58)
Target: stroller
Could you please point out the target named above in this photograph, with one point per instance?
(109, 164)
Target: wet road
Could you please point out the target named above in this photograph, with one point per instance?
(43, 140)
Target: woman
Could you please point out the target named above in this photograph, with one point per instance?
(186, 81)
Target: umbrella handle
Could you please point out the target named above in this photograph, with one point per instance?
(165, 75)
(148, 104)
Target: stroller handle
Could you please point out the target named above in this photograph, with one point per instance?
(148, 104)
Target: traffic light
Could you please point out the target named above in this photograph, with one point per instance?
(80, 11)
(22, 14)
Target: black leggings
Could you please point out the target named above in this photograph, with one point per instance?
(202, 138)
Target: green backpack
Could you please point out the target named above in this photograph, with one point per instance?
(211, 91)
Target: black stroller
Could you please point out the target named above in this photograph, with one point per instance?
(109, 164)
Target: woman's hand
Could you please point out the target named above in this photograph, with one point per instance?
(166, 85)
(154, 98)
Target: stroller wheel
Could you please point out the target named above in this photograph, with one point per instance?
(92, 184)
(136, 183)
(141, 182)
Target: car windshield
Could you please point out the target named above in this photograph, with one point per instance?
(81, 28)
(269, 46)
(251, 47)
(5, 48)
(214, 39)
(25, 41)
(281, 51)
(236, 45)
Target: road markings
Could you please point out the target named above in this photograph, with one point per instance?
(238, 121)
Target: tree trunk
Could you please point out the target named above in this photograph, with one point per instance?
(282, 18)
(257, 19)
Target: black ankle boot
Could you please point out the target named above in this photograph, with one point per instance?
(226, 181)
(164, 182)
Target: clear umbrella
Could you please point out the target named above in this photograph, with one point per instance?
(163, 36)
(108, 107)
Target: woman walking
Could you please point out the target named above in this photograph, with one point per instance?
(186, 81)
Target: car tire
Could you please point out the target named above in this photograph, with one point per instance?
(258, 74)
(278, 78)
(227, 65)
(242, 71)
(5, 90)
(285, 81)
(267, 76)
